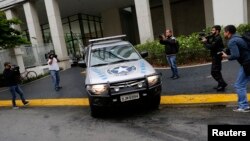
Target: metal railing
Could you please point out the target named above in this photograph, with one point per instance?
(32, 55)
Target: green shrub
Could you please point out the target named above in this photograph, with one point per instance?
(156, 52)
(191, 51)
(242, 28)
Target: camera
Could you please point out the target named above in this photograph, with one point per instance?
(160, 36)
(16, 70)
(204, 35)
(226, 50)
(50, 55)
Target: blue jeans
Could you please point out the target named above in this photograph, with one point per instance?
(172, 62)
(241, 88)
(16, 89)
(55, 78)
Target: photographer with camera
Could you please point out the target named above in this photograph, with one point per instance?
(239, 50)
(171, 49)
(12, 77)
(215, 44)
(54, 70)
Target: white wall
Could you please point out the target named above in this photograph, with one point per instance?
(229, 12)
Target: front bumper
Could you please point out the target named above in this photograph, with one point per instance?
(112, 100)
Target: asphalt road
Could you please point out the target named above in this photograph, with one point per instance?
(76, 124)
(193, 80)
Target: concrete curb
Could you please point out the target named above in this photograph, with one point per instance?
(165, 100)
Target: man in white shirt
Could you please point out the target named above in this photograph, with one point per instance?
(54, 71)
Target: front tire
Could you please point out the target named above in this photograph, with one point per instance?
(95, 111)
(154, 103)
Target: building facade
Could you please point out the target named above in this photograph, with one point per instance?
(69, 24)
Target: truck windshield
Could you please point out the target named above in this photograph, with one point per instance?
(113, 54)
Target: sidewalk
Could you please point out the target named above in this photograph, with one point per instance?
(194, 86)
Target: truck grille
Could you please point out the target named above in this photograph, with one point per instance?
(127, 86)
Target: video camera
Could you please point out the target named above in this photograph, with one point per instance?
(204, 35)
(160, 36)
(50, 55)
(16, 70)
(15, 67)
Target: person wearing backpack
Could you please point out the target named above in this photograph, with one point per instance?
(214, 43)
(171, 49)
(239, 51)
(11, 77)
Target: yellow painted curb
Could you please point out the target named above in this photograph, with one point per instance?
(168, 100)
(49, 102)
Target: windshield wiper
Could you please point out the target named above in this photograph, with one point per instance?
(99, 64)
(123, 60)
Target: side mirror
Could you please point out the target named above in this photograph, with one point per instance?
(144, 54)
(82, 64)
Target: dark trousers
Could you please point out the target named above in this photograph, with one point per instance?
(16, 89)
(216, 71)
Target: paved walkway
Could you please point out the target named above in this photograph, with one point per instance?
(194, 86)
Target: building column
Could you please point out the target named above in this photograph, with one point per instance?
(10, 14)
(245, 11)
(248, 11)
(57, 33)
(167, 14)
(234, 8)
(111, 22)
(209, 14)
(144, 20)
(33, 25)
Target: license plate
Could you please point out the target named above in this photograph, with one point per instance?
(129, 97)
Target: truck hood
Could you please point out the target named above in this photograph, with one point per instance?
(119, 72)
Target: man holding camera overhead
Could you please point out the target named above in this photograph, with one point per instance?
(215, 44)
(54, 70)
(171, 49)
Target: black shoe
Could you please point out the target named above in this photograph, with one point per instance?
(26, 103)
(220, 89)
(175, 77)
(215, 87)
(172, 76)
(224, 85)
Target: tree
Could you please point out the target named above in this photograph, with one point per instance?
(10, 37)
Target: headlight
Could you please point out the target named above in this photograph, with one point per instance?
(152, 80)
(98, 89)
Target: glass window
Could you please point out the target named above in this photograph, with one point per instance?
(66, 28)
(113, 54)
(92, 29)
(75, 28)
(73, 18)
(86, 28)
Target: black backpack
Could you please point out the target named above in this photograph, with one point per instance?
(246, 38)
